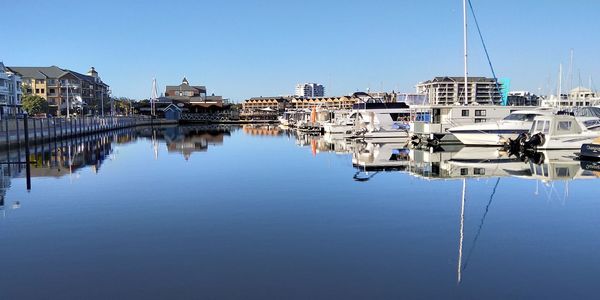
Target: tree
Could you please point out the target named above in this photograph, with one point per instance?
(34, 104)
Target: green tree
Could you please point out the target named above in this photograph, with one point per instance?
(34, 104)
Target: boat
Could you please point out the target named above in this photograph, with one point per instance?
(561, 131)
(380, 120)
(343, 123)
(498, 132)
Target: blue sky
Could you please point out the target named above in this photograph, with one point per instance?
(241, 49)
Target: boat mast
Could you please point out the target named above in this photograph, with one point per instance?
(153, 99)
(465, 50)
(462, 230)
(559, 86)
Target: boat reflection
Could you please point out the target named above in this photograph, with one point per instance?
(452, 162)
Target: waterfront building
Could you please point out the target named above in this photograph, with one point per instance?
(578, 96)
(310, 90)
(343, 102)
(194, 97)
(450, 90)
(10, 92)
(278, 103)
(55, 84)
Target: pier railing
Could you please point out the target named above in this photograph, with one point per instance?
(12, 131)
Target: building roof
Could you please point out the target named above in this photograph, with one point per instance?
(458, 79)
(39, 72)
(185, 86)
(51, 73)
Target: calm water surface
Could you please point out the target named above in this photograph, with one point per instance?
(259, 213)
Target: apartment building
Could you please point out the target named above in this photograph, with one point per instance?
(61, 86)
(10, 92)
(449, 90)
(310, 90)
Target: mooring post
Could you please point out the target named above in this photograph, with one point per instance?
(27, 165)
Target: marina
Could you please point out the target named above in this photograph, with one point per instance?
(278, 150)
(367, 225)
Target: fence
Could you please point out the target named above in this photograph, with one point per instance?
(12, 131)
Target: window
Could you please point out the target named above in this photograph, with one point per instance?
(43, 91)
(464, 171)
(479, 120)
(479, 171)
(465, 112)
(39, 81)
(480, 113)
(52, 91)
(562, 172)
(564, 126)
(538, 126)
(546, 127)
(37, 91)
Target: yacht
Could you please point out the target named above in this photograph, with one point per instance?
(496, 133)
(380, 120)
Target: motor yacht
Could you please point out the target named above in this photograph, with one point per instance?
(496, 133)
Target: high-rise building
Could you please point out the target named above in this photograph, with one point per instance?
(310, 90)
(10, 92)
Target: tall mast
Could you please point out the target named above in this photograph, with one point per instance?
(465, 50)
(559, 85)
(153, 99)
(462, 231)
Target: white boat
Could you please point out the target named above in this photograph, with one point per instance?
(430, 124)
(560, 132)
(341, 125)
(380, 120)
(496, 133)
(382, 157)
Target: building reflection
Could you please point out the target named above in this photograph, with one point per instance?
(186, 140)
(59, 158)
(262, 130)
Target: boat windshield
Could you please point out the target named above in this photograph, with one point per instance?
(520, 117)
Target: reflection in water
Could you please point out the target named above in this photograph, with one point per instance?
(545, 167)
(419, 224)
(262, 129)
(65, 157)
(189, 139)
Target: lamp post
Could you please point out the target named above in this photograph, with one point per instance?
(111, 103)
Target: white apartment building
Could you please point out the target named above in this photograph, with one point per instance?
(450, 90)
(310, 90)
(10, 92)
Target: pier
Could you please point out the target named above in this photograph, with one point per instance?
(17, 133)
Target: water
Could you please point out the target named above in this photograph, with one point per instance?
(259, 213)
